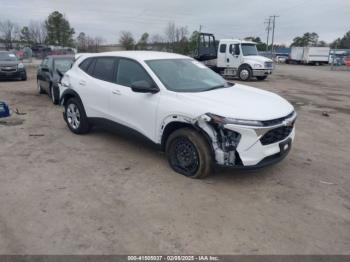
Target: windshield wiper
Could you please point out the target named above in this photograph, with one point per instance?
(215, 87)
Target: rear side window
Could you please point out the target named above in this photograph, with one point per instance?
(223, 48)
(130, 71)
(85, 65)
(104, 69)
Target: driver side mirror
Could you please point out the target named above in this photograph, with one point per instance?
(143, 86)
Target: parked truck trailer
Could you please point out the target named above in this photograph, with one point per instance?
(309, 55)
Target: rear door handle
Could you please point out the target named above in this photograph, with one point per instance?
(82, 82)
(116, 92)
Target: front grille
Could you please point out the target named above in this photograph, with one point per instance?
(268, 64)
(277, 121)
(277, 134)
(8, 69)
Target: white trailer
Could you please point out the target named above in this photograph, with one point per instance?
(309, 55)
(316, 55)
(296, 54)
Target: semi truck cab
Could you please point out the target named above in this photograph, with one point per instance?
(233, 58)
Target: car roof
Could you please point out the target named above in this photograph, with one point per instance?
(140, 55)
(60, 56)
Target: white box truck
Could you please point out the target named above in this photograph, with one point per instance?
(309, 55)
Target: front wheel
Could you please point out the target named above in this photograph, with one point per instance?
(245, 73)
(189, 153)
(75, 117)
(261, 78)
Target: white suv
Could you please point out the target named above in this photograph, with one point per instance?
(192, 113)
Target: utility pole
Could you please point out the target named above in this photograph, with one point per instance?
(200, 28)
(268, 33)
(273, 32)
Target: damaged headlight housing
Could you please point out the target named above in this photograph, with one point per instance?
(234, 121)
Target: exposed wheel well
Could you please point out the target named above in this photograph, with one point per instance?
(170, 128)
(173, 126)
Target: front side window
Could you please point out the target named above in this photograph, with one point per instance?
(249, 49)
(104, 69)
(130, 72)
(186, 75)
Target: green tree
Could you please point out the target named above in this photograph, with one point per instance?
(26, 36)
(308, 39)
(127, 40)
(343, 42)
(142, 44)
(59, 31)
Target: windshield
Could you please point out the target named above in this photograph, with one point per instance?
(5, 56)
(186, 75)
(249, 49)
(63, 64)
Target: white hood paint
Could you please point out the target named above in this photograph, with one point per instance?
(239, 101)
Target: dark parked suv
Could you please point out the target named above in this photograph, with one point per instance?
(48, 76)
(11, 67)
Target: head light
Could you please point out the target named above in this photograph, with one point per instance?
(20, 65)
(258, 66)
(234, 121)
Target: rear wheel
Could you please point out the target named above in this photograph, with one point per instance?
(75, 117)
(40, 90)
(245, 73)
(189, 153)
(261, 78)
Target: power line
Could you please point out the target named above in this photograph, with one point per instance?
(268, 33)
(273, 32)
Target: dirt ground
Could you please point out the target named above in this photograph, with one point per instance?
(107, 193)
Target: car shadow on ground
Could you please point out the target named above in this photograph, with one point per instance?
(136, 141)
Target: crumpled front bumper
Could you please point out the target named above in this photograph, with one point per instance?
(252, 152)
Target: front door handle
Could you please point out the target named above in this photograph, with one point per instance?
(228, 60)
(116, 92)
(82, 82)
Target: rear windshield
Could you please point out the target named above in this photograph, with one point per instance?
(5, 56)
(63, 64)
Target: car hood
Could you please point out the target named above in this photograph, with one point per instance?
(257, 58)
(239, 101)
(9, 63)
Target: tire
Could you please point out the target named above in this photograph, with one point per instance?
(261, 78)
(39, 88)
(189, 153)
(245, 73)
(24, 78)
(75, 116)
(53, 95)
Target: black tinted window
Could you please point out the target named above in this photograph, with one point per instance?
(130, 72)
(85, 65)
(223, 48)
(104, 68)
